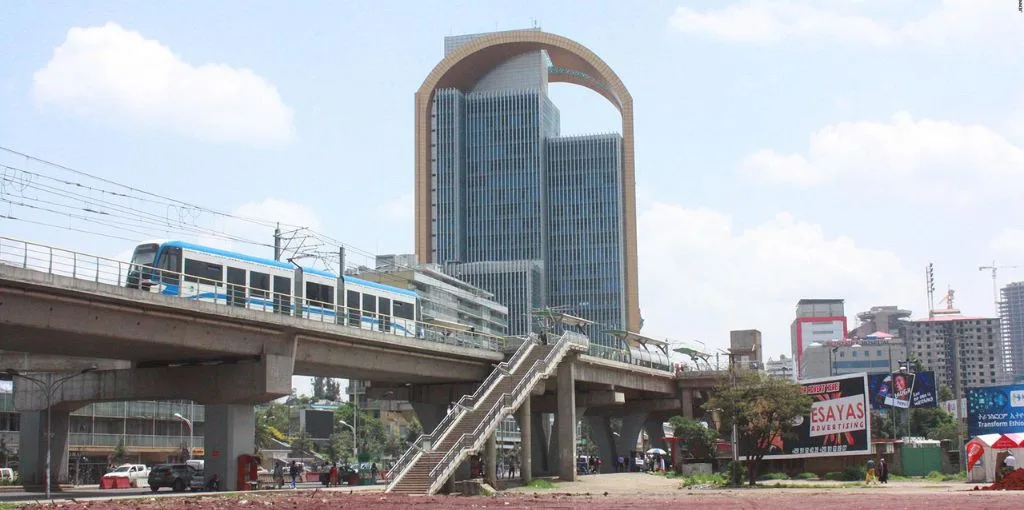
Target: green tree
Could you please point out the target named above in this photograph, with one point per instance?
(332, 390)
(415, 431)
(697, 438)
(881, 426)
(945, 432)
(372, 435)
(763, 408)
(120, 452)
(393, 446)
(264, 435)
(339, 445)
(925, 419)
(319, 388)
(302, 445)
(945, 393)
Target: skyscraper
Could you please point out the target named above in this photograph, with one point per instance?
(533, 217)
(1011, 311)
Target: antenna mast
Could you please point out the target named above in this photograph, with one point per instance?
(929, 275)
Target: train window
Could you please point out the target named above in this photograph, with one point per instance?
(403, 310)
(236, 286)
(369, 303)
(259, 283)
(203, 272)
(170, 265)
(352, 301)
(319, 294)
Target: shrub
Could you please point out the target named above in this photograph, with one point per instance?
(736, 472)
(833, 475)
(854, 473)
(773, 476)
(806, 476)
(713, 480)
(934, 476)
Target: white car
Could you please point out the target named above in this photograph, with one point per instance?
(137, 474)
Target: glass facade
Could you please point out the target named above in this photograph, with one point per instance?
(532, 217)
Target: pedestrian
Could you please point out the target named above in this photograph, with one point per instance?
(332, 477)
(373, 473)
(869, 475)
(883, 471)
(278, 475)
(293, 471)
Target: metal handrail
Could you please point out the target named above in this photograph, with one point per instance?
(504, 403)
(106, 271)
(465, 405)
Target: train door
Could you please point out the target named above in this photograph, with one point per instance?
(352, 305)
(370, 309)
(282, 295)
(385, 314)
(236, 286)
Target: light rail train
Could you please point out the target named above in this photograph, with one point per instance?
(202, 273)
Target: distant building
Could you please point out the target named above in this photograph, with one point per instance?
(745, 348)
(940, 340)
(444, 299)
(882, 319)
(1011, 312)
(782, 367)
(817, 321)
(877, 354)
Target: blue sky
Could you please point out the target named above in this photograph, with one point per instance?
(785, 149)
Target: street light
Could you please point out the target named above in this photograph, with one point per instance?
(355, 445)
(188, 422)
(48, 388)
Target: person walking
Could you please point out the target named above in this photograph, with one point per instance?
(278, 475)
(869, 475)
(293, 471)
(883, 471)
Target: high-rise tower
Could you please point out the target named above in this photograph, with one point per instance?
(506, 202)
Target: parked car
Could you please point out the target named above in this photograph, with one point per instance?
(176, 476)
(135, 473)
(198, 480)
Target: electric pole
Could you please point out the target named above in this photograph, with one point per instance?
(277, 242)
(929, 275)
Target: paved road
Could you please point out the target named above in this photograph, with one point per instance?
(93, 492)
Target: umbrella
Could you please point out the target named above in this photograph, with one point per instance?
(656, 451)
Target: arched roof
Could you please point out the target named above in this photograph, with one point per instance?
(466, 65)
(462, 68)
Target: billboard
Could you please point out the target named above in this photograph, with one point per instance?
(838, 423)
(995, 410)
(918, 390)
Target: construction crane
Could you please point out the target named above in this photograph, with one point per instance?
(995, 287)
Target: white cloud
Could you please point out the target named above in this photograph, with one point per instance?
(115, 74)
(770, 21)
(930, 159)
(703, 276)
(400, 208)
(1009, 242)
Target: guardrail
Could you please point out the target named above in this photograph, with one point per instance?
(133, 440)
(426, 442)
(107, 271)
(511, 400)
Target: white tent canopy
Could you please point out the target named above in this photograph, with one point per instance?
(984, 470)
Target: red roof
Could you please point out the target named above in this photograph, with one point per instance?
(952, 317)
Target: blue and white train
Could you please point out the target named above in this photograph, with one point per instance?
(202, 273)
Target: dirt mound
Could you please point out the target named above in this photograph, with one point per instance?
(1011, 482)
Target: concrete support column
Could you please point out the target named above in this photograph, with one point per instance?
(686, 400)
(230, 432)
(626, 442)
(655, 433)
(601, 434)
(491, 459)
(32, 448)
(524, 417)
(429, 414)
(567, 421)
(541, 428)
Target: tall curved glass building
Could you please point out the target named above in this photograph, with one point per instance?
(505, 202)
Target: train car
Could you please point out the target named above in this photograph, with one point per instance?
(202, 273)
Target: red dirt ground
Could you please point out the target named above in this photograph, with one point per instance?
(795, 498)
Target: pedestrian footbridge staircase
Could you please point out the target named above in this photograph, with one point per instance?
(434, 457)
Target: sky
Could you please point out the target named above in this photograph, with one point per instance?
(785, 149)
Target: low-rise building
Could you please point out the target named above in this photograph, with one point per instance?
(875, 354)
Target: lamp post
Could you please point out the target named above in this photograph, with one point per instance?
(191, 432)
(48, 388)
(355, 445)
